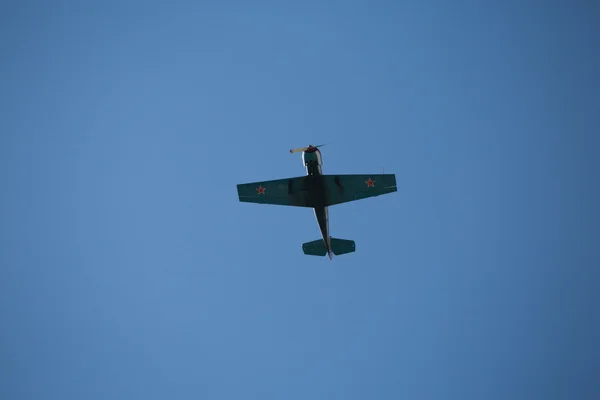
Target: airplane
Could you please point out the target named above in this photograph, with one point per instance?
(318, 191)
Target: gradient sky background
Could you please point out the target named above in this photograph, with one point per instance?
(129, 270)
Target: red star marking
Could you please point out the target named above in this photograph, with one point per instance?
(370, 183)
(261, 190)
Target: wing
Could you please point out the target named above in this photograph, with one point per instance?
(283, 192)
(345, 188)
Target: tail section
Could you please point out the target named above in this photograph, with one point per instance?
(338, 247)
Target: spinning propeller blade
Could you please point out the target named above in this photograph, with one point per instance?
(306, 148)
(298, 149)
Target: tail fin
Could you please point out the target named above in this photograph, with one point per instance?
(338, 247)
(342, 246)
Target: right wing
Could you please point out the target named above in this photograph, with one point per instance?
(346, 188)
(282, 192)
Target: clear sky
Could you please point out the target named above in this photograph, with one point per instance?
(130, 270)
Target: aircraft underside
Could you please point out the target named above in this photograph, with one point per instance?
(318, 191)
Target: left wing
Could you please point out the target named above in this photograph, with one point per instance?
(283, 192)
(345, 188)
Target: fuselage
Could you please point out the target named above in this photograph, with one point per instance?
(313, 162)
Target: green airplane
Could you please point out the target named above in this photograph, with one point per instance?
(318, 191)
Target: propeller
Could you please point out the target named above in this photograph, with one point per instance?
(310, 146)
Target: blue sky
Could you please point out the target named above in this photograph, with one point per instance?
(129, 270)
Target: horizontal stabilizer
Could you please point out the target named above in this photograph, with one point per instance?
(342, 246)
(314, 248)
(338, 247)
